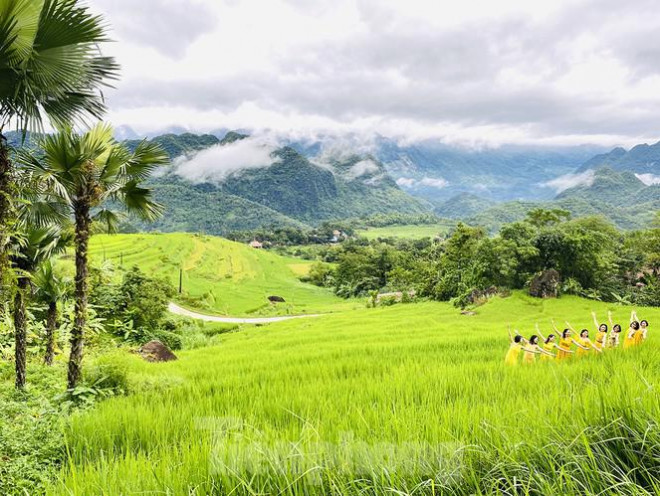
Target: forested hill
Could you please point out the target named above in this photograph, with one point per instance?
(618, 196)
(641, 159)
(207, 193)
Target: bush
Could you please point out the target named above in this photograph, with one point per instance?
(572, 286)
(170, 339)
(320, 274)
(109, 373)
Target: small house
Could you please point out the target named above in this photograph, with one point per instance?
(256, 245)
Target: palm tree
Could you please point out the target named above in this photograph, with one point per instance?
(51, 69)
(51, 289)
(29, 249)
(85, 172)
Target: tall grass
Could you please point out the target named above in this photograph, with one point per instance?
(411, 399)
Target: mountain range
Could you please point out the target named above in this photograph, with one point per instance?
(238, 182)
(202, 192)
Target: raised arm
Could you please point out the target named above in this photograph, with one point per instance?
(538, 330)
(547, 352)
(554, 326)
(579, 345)
(596, 324)
(510, 335)
(570, 326)
(633, 316)
(593, 346)
(609, 317)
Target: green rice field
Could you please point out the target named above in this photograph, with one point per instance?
(219, 276)
(408, 399)
(412, 231)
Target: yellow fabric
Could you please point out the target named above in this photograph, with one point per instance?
(600, 340)
(565, 345)
(584, 342)
(639, 337)
(513, 353)
(630, 340)
(549, 348)
(530, 357)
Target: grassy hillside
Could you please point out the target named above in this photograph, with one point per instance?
(411, 231)
(219, 276)
(413, 398)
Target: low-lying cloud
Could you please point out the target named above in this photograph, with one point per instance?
(434, 182)
(406, 182)
(361, 168)
(562, 183)
(429, 182)
(215, 164)
(648, 179)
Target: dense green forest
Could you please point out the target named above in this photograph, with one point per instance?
(591, 257)
(291, 192)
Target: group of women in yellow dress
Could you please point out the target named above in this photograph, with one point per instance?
(561, 345)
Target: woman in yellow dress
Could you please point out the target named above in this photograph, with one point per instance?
(565, 343)
(613, 337)
(601, 333)
(532, 349)
(515, 347)
(643, 330)
(584, 343)
(549, 345)
(633, 330)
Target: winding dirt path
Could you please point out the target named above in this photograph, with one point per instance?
(176, 309)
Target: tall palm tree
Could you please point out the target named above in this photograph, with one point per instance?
(51, 69)
(29, 249)
(85, 172)
(51, 290)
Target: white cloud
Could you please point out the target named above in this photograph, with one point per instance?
(648, 179)
(429, 182)
(433, 182)
(562, 183)
(562, 71)
(216, 163)
(361, 168)
(406, 182)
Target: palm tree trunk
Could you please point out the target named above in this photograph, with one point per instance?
(51, 326)
(5, 195)
(20, 331)
(83, 221)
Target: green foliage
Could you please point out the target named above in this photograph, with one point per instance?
(134, 308)
(593, 258)
(50, 64)
(31, 426)
(320, 274)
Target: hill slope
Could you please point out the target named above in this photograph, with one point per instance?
(373, 402)
(219, 276)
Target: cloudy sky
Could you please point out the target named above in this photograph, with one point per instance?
(472, 71)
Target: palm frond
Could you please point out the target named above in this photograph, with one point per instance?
(50, 63)
(109, 219)
(146, 158)
(139, 201)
